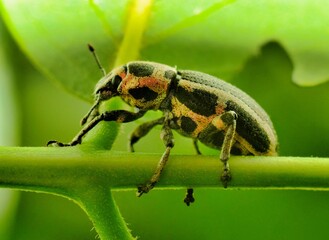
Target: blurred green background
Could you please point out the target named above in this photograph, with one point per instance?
(35, 110)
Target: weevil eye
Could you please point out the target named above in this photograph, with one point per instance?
(104, 94)
(116, 81)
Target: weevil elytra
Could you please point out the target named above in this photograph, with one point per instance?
(195, 104)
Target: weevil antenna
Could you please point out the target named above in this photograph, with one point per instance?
(92, 50)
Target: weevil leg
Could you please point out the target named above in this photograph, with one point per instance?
(89, 116)
(93, 112)
(119, 116)
(227, 122)
(189, 197)
(142, 130)
(196, 146)
(168, 139)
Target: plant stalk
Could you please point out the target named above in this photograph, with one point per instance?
(100, 206)
(87, 175)
(59, 170)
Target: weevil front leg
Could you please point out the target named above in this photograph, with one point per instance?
(226, 122)
(168, 139)
(119, 116)
(142, 130)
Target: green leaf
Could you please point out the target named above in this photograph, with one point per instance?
(216, 37)
(55, 34)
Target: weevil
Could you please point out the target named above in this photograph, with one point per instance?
(194, 104)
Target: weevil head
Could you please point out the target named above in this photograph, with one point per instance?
(141, 84)
(107, 87)
(144, 85)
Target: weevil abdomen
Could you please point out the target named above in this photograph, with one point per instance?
(198, 101)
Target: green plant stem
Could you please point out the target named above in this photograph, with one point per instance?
(59, 170)
(100, 206)
(87, 175)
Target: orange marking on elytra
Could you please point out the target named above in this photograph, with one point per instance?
(154, 83)
(179, 110)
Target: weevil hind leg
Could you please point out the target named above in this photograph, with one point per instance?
(142, 130)
(168, 139)
(226, 122)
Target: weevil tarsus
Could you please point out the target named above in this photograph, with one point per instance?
(189, 198)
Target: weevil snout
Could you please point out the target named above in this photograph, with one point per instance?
(105, 89)
(108, 87)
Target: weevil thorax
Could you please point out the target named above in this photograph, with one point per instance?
(146, 84)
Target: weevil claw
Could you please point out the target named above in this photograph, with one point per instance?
(54, 143)
(144, 188)
(141, 190)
